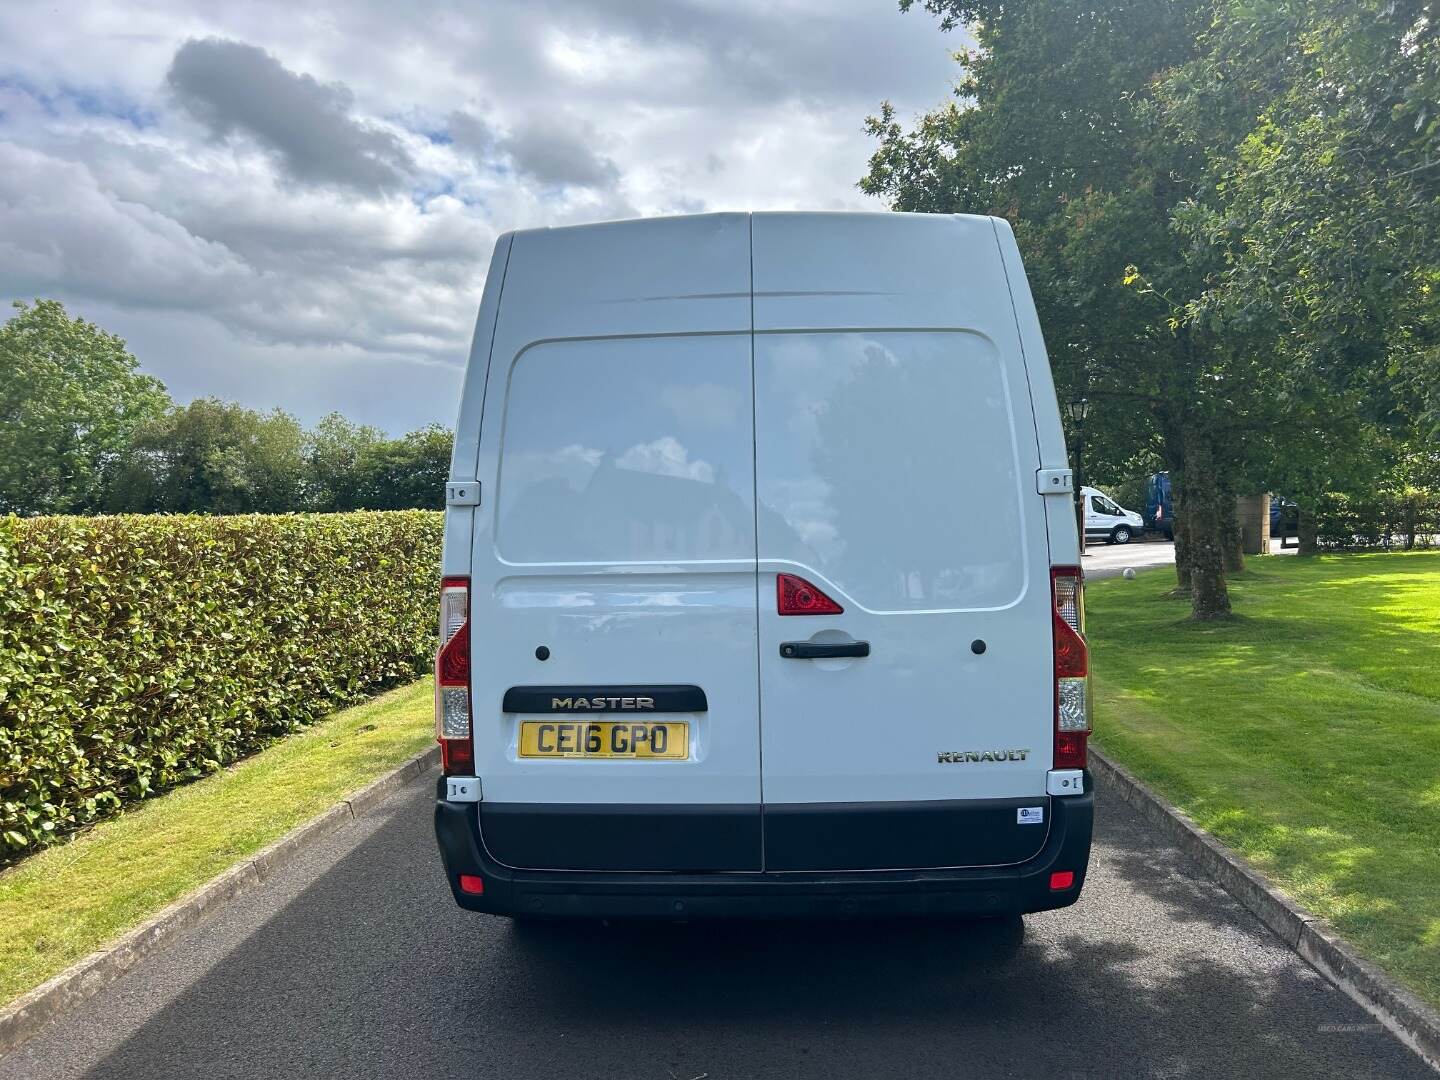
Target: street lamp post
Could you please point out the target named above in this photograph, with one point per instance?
(1076, 409)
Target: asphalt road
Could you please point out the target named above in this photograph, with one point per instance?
(1108, 560)
(355, 963)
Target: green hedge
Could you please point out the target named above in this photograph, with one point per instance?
(137, 653)
(1378, 520)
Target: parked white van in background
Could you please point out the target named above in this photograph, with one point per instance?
(761, 591)
(1107, 520)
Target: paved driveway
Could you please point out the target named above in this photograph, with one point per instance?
(1108, 560)
(355, 963)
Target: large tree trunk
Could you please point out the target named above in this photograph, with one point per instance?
(1305, 528)
(1178, 518)
(1209, 598)
(1232, 547)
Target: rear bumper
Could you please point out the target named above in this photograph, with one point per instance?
(1023, 887)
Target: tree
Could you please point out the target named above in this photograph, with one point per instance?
(1058, 133)
(70, 400)
(81, 430)
(214, 457)
(334, 452)
(405, 473)
(1325, 202)
(1319, 211)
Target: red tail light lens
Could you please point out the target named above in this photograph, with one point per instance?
(1071, 751)
(474, 884)
(1059, 880)
(796, 596)
(452, 679)
(1072, 667)
(457, 757)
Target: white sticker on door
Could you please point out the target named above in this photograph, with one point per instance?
(1029, 815)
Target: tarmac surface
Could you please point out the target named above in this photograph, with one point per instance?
(354, 962)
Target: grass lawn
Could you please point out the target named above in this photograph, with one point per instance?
(63, 903)
(1305, 733)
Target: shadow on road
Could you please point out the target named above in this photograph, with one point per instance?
(821, 971)
(372, 971)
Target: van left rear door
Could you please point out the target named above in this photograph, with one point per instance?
(614, 671)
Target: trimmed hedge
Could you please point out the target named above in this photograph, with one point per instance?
(139, 652)
(1378, 520)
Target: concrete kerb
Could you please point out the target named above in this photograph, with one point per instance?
(1401, 1012)
(58, 995)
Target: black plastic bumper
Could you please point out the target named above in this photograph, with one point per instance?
(1023, 887)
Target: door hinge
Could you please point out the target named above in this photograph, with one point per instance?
(462, 493)
(1055, 482)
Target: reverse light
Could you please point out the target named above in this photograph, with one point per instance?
(1072, 667)
(452, 679)
(796, 596)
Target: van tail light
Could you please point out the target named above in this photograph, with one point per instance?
(796, 596)
(452, 679)
(1072, 667)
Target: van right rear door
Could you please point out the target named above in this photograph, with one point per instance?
(896, 460)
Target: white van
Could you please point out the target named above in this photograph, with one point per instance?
(760, 590)
(1107, 520)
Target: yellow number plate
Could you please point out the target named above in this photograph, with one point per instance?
(604, 738)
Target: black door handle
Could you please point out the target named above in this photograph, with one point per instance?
(816, 650)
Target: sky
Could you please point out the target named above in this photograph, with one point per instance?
(292, 204)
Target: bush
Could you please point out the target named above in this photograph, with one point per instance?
(137, 653)
(1378, 520)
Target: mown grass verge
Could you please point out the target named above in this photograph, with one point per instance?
(64, 902)
(1304, 733)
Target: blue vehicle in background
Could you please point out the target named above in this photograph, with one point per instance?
(1159, 509)
(1284, 517)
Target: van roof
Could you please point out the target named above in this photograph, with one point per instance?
(762, 271)
(680, 220)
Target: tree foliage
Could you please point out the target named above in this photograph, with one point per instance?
(1228, 210)
(354, 467)
(1320, 125)
(407, 472)
(333, 454)
(216, 457)
(70, 401)
(1054, 128)
(82, 431)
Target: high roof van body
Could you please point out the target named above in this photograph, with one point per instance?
(760, 586)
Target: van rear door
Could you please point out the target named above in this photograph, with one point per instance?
(896, 460)
(613, 646)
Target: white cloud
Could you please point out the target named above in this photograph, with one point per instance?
(310, 192)
(666, 456)
(575, 464)
(60, 230)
